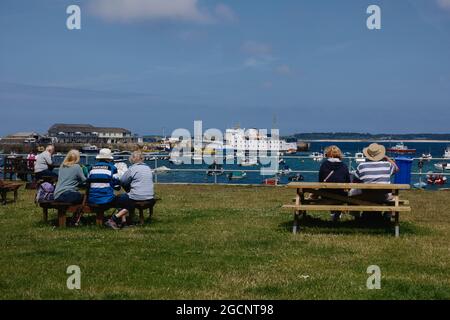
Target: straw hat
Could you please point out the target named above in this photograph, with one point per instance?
(105, 154)
(375, 152)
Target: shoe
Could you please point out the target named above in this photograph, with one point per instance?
(110, 223)
(335, 217)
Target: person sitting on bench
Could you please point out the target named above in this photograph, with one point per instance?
(43, 165)
(103, 179)
(70, 177)
(138, 182)
(334, 170)
(377, 169)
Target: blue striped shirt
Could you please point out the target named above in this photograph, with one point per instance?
(102, 180)
(375, 172)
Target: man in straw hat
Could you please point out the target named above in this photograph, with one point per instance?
(103, 179)
(377, 169)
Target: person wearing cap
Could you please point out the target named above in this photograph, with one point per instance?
(377, 169)
(103, 179)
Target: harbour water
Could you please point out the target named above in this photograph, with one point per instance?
(299, 163)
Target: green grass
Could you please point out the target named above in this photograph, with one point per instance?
(226, 242)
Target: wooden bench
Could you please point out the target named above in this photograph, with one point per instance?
(99, 210)
(141, 206)
(7, 186)
(321, 199)
(61, 208)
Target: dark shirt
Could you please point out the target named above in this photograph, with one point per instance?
(334, 172)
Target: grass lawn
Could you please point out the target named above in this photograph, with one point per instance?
(227, 242)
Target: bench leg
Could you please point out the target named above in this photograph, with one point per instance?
(296, 222)
(150, 213)
(16, 195)
(99, 218)
(397, 225)
(141, 216)
(3, 194)
(61, 218)
(45, 214)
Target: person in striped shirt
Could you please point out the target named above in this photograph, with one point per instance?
(377, 169)
(103, 179)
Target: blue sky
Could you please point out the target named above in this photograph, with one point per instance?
(153, 64)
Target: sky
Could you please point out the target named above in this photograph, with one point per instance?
(156, 65)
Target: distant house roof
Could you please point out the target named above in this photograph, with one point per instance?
(83, 128)
(23, 135)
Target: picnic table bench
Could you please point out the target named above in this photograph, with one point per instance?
(322, 198)
(99, 210)
(7, 186)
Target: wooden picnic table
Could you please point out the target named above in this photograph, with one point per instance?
(323, 198)
(7, 186)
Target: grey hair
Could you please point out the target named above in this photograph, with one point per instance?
(136, 157)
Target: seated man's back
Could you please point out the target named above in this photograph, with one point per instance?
(102, 180)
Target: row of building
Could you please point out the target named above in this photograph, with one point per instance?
(74, 134)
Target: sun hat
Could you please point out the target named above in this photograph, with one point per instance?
(105, 154)
(375, 152)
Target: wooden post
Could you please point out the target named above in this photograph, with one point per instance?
(141, 215)
(45, 214)
(150, 212)
(397, 224)
(62, 217)
(298, 198)
(100, 215)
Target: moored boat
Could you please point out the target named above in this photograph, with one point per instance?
(401, 148)
(237, 175)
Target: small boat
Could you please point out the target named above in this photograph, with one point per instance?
(215, 170)
(359, 157)
(162, 169)
(420, 185)
(426, 157)
(121, 156)
(316, 156)
(447, 153)
(442, 166)
(237, 175)
(296, 178)
(89, 149)
(401, 148)
(285, 170)
(437, 179)
(271, 181)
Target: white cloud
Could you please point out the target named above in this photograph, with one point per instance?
(444, 4)
(131, 10)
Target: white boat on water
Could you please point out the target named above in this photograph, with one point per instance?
(162, 169)
(91, 149)
(442, 166)
(447, 153)
(426, 156)
(359, 157)
(316, 156)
